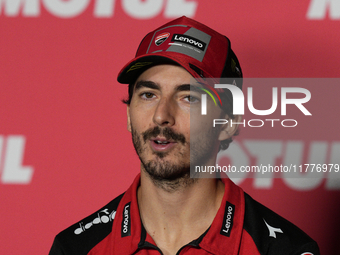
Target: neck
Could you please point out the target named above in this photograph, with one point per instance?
(176, 217)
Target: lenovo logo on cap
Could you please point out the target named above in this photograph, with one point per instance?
(161, 38)
(189, 40)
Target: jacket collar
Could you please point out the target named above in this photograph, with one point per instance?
(223, 237)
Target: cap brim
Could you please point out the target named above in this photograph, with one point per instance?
(131, 71)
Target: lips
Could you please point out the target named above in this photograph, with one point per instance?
(161, 144)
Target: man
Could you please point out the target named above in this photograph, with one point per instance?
(165, 211)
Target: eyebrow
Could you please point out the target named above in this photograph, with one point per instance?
(146, 84)
(153, 85)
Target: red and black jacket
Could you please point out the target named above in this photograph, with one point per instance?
(241, 226)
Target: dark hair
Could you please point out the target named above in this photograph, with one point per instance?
(130, 89)
(227, 107)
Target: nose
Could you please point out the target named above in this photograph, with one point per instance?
(164, 113)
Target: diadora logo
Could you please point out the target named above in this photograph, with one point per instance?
(189, 40)
(228, 219)
(126, 222)
(161, 38)
(102, 217)
(11, 156)
(272, 230)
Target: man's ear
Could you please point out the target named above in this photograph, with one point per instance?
(128, 118)
(229, 130)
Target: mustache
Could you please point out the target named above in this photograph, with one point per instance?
(167, 132)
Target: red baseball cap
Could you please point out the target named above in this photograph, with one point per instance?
(202, 51)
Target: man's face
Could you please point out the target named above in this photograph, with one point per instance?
(159, 119)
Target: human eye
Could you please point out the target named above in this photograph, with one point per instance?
(192, 99)
(147, 95)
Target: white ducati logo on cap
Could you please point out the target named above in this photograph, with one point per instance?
(161, 38)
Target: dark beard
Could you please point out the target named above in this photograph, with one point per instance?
(163, 173)
(168, 175)
(203, 149)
